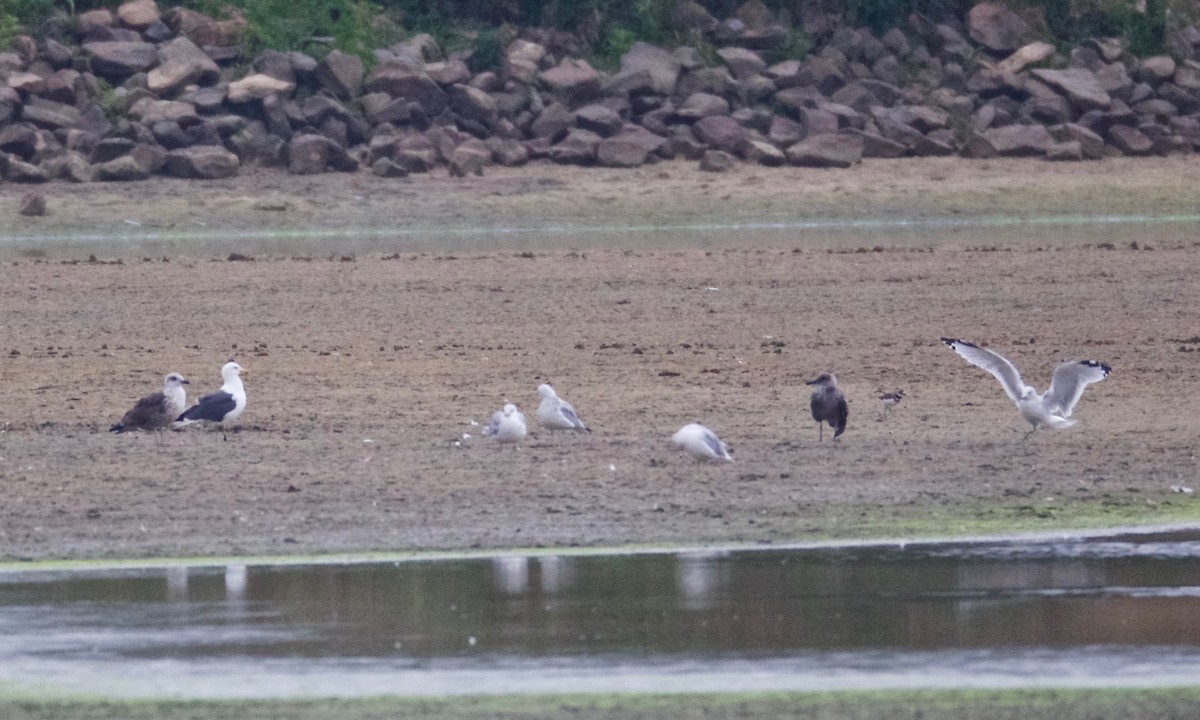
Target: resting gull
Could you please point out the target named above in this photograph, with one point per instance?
(828, 405)
(554, 413)
(1051, 408)
(157, 410)
(223, 406)
(701, 443)
(507, 425)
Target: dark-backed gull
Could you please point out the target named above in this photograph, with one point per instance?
(157, 410)
(1053, 407)
(507, 425)
(223, 406)
(701, 443)
(828, 405)
(554, 413)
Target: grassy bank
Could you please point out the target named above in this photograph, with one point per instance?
(1118, 704)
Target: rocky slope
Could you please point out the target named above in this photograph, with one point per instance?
(126, 95)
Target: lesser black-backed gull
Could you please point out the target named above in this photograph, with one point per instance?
(507, 425)
(701, 443)
(1053, 407)
(828, 405)
(157, 410)
(554, 413)
(223, 406)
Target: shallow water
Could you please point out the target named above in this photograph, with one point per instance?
(1084, 612)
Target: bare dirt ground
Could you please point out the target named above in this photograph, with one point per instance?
(367, 366)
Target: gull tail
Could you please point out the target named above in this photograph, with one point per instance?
(1061, 423)
(117, 428)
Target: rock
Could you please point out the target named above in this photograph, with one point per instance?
(111, 148)
(742, 63)
(256, 87)
(836, 150)
(1114, 80)
(1157, 69)
(341, 74)
(701, 105)
(150, 111)
(996, 27)
(308, 154)
(19, 171)
(1172, 145)
(720, 132)
(789, 73)
(204, 30)
(574, 81)
(577, 148)
(717, 161)
(553, 123)
(138, 14)
(1064, 151)
(117, 60)
(923, 118)
(469, 159)
(383, 108)
(449, 72)
(402, 81)
(255, 144)
(817, 121)
(1019, 140)
(10, 100)
(660, 68)
(49, 114)
(510, 153)
(70, 166)
(1090, 144)
(123, 169)
(207, 162)
(600, 119)
(711, 80)
(94, 21)
(388, 168)
(61, 87)
(628, 148)
(474, 104)
(1129, 140)
(761, 152)
(18, 139)
(416, 153)
(827, 76)
(784, 131)
(877, 146)
(181, 63)
(1027, 55)
(1079, 85)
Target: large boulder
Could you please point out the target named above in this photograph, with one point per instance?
(150, 111)
(207, 162)
(1019, 140)
(600, 119)
(117, 60)
(1079, 85)
(522, 59)
(996, 27)
(661, 68)
(701, 105)
(404, 81)
(309, 154)
(837, 150)
(341, 74)
(720, 132)
(49, 114)
(138, 14)
(474, 104)
(256, 87)
(577, 148)
(628, 148)
(181, 63)
(574, 81)
(1130, 140)
(742, 63)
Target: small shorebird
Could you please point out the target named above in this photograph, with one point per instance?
(1052, 407)
(828, 405)
(889, 401)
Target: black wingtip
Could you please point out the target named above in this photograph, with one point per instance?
(1097, 364)
(118, 428)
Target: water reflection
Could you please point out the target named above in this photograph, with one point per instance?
(877, 607)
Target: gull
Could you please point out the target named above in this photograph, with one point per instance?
(701, 443)
(223, 406)
(507, 425)
(890, 400)
(156, 410)
(1052, 407)
(828, 405)
(554, 413)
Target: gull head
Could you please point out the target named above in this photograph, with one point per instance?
(231, 370)
(545, 391)
(824, 379)
(509, 409)
(175, 380)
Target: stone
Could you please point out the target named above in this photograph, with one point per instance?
(111, 148)
(207, 162)
(138, 14)
(473, 104)
(828, 78)
(341, 74)
(553, 123)
(49, 114)
(19, 171)
(10, 100)
(309, 154)
(256, 87)
(1091, 145)
(1064, 151)
(817, 121)
(383, 108)
(70, 166)
(717, 161)
(18, 139)
(449, 72)
(170, 134)
(1026, 55)
(522, 59)
(150, 111)
(720, 132)
(469, 159)
(600, 119)
(573, 80)
(403, 81)
(416, 153)
(1019, 140)
(761, 152)
(701, 105)
(789, 73)
(1129, 140)
(660, 68)
(181, 63)
(204, 30)
(742, 63)
(123, 169)
(1079, 85)
(577, 148)
(388, 168)
(1155, 70)
(784, 131)
(117, 60)
(711, 80)
(510, 153)
(93, 21)
(62, 87)
(1114, 79)
(629, 148)
(877, 146)
(840, 150)
(996, 27)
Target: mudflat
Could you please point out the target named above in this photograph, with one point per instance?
(372, 355)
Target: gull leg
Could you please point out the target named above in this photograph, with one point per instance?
(820, 432)
(1026, 436)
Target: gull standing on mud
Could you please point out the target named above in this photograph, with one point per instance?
(1051, 408)
(223, 406)
(554, 413)
(828, 405)
(507, 425)
(157, 410)
(889, 401)
(701, 443)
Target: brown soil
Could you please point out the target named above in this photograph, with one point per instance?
(367, 366)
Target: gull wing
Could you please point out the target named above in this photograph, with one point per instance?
(714, 443)
(568, 411)
(494, 424)
(997, 365)
(1070, 378)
